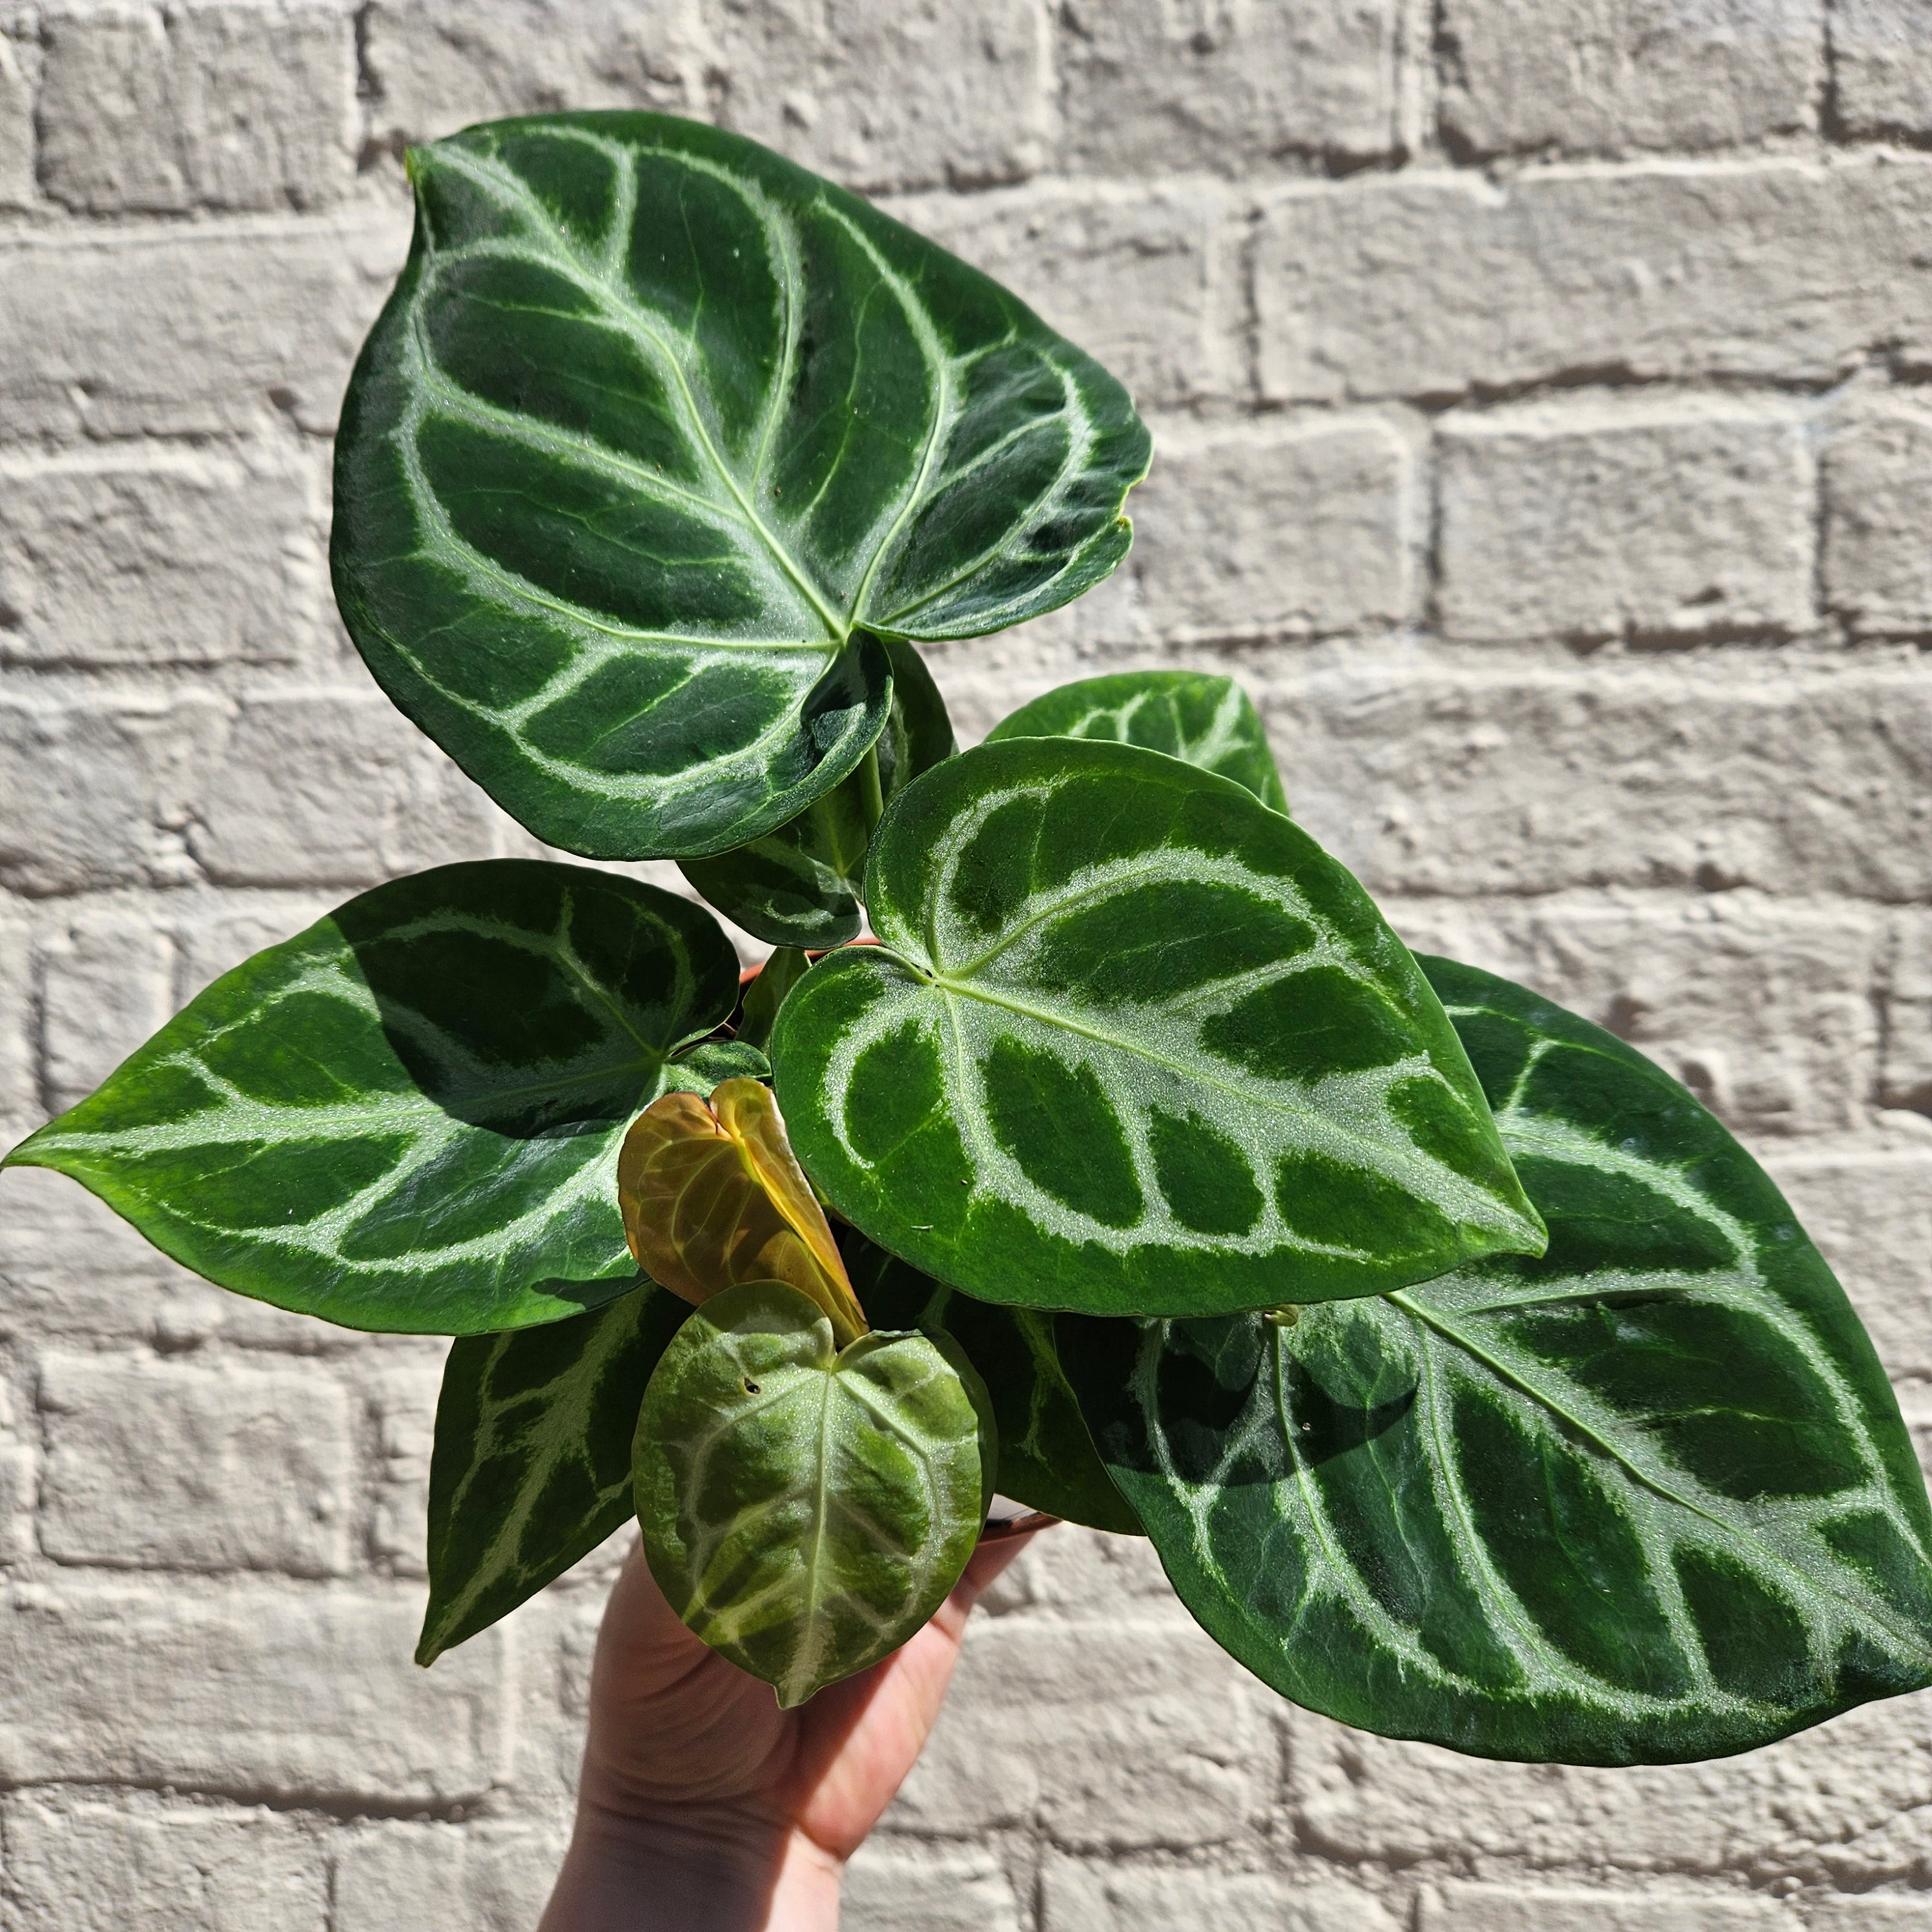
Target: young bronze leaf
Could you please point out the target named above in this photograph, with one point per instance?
(801, 885)
(1047, 1459)
(711, 1196)
(1133, 1044)
(806, 1509)
(407, 1118)
(1646, 1499)
(658, 439)
(1206, 721)
(532, 1468)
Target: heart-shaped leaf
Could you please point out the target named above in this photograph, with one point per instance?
(1206, 720)
(532, 1468)
(711, 1196)
(657, 436)
(805, 1510)
(801, 885)
(1047, 1459)
(1134, 1044)
(407, 1118)
(1647, 1499)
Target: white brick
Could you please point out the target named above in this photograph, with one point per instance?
(1429, 288)
(892, 1891)
(104, 990)
(1206, 85)
(1592, 77)
(884, 93)
(183, 331)
(1501, 1908)
(20, 1104)
(1839, 1805)
(1427, 780)
(210, 942)
(80, 1865)
(1298, 528)
(1082, 1897)
(1905, 1073)
(1870, 1912)
(1870, 1210)
(1881, 66)
(1762, 1009)
(19, 76)
(171, 1465)
(1138, 277)
(402, 1407)
(217, 107)
(1876, 469)
(162, 556)
(437, 65)
(288, 1693)
(440, 1878)
(321, 789)
(1615, 522)
(19, 1482)
(1108, 1734)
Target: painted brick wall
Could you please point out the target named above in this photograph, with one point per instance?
(1543, 390)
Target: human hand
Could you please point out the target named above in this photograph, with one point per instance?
(704, 1807)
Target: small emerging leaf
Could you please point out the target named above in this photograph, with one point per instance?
(1133, 1044)
(711, 1196)
(1047, 1459)
(407, 1116)
(1646, 1499)
(532, 1468)
(805, 1510)
(1205, 721)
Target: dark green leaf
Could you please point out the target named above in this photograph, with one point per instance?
(531, 1469)
(767, 993)
(1047, 1459)
(802, 885)
(1208, 721)
(657, 439)
(1646, 1499)
(407, 1118)
(805, 1510)
(1134, 1044)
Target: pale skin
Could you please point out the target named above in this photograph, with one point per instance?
(703, 1807)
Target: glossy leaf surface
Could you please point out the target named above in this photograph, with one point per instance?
(407, 1118)
(711, 1195)
(532, 1468)
(1648, 1498)
(1206, 721)
(805, 1510)
(1047, 1459)
(1135, 1045)
(803, 884)
(657, 438)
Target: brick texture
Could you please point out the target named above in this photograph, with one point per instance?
(1542, 392)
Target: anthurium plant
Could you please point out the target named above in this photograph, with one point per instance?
(1471, 1382)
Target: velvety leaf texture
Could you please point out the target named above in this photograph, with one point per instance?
(407, 1118)
(532, 1468)
(659, 436)
(1047, 1459)
(1133, 1044)
(1206, 721)
(806, 1510)
(1646, 1499)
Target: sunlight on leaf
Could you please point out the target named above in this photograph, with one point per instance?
(712, 1196)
